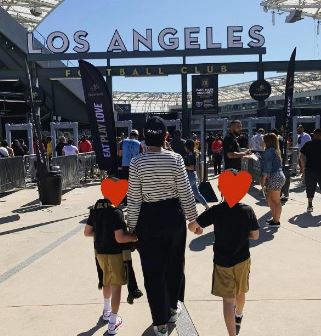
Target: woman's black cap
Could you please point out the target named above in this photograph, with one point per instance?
(155, 131)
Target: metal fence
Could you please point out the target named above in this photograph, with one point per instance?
(75, 168)
(12, 173)
(16, 172)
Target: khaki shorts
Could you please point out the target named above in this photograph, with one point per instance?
(113, 269)
(231, 281)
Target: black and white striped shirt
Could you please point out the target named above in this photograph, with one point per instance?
(156, 176)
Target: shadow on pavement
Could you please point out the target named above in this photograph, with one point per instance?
(297, 188)
(200, 243)
(25, 228)
(100, 324)
(9, 219)
(266, 233)
(31, 208)
(306, 220)
(150, 332)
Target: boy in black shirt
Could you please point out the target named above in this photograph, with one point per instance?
(106, 224)
(233, 227)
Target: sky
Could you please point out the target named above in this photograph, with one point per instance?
(100, 18)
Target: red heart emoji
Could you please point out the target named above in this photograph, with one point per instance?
(114, 190)
(234, 187)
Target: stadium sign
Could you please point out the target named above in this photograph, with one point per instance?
(58, 42)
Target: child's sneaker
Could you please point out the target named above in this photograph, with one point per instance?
(161, 331)
(114, 327)
(106, 315)
(238, 321)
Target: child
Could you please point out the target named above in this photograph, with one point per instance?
(233, 227)
(106, 223)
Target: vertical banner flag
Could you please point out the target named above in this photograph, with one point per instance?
(288, 102)
(101, 116)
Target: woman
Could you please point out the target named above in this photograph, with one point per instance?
(159, 199)
(272, 179)
(190, 164)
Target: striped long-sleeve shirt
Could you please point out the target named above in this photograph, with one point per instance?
(156, 176)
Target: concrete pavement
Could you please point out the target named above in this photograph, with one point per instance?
(48, 282)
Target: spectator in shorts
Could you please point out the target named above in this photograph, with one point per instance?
(106, 224)
(273, 178)
(233, 227)
(70, 149)
(311, 165)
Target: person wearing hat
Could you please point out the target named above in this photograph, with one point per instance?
(160, 199)
(129, 148)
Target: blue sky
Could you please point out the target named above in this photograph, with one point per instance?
(100, 18)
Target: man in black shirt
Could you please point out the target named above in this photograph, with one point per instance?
(178, 144)
(62, 143)
(233, 227)
(311, 165)
(231, 148)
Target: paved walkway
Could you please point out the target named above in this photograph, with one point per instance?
(48, 277)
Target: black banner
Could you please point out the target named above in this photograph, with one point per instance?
(101, 117)
(288, 103)
(205, 94)
(289, 88)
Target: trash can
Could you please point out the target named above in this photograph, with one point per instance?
(52, 188)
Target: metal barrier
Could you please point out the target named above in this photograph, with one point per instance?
(75, 168)
(69, 170)
(12, 173)
(86, 164)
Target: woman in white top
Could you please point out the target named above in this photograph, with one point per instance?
(70, 149)
(160, 199)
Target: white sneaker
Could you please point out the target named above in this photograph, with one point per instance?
(161, 331)
(114, 327)
(106, 315)
(175, 313)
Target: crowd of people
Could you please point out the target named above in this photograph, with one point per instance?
(64, 147)
(163, 187)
